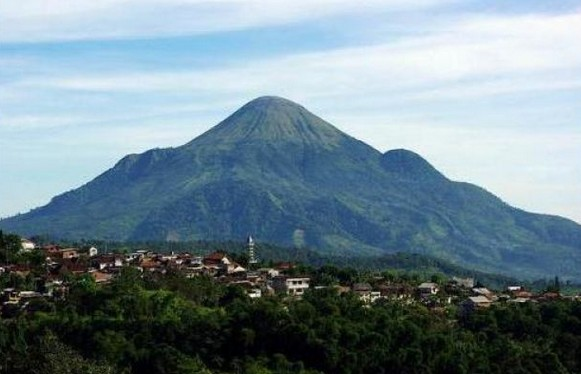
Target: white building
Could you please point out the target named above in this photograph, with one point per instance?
(428, 288)
(464, 282)
(93, 251)
(26, 245)
(290, 286)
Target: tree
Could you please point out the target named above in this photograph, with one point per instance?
(50, 356)
(10, 245)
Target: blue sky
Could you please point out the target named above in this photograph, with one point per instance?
(488, 91)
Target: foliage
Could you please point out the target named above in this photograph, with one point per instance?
(9, 247)
(155, 324)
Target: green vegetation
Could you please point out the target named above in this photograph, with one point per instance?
(165, 322)
(11, 253)
(172, 324)
(277, 171)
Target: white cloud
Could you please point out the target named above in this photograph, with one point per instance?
(34, 21)
(495, 87)
(36, 122)
(483, 56)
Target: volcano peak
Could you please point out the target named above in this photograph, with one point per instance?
(274, 119)
(270, 100)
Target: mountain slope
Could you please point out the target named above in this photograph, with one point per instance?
(277, 171)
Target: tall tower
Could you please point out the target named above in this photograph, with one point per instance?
(251, 254)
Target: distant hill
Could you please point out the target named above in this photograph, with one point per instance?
(277, 171)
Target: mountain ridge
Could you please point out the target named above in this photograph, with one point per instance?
(276, 170)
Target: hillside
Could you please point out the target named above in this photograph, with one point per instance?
(277, 171)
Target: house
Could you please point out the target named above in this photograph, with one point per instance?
(92, 251)
(218, 262)
(397, 291)
(10, 296)
(26, 245)
(150, 265)
(428, 288)
(55, 288)
(519, 300)
(476, 302)
(549, 296)
(89, 251)
(365, 292)
(483, 291)
(236, 269)
(27, 295)
(172, 256)
(65, 253)
(254, 278)
(293, 286)
(51, 248)
(182, 259)
(250, 288)
(108, 261)
(254, 293)
(101, 277)
(361, 288)
(193, 267)
(463, 282)
(72, 265)
(197, 261)
(522, 294)
(217, 258)
(133, 257)
(268, 272)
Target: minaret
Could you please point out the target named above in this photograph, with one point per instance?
(251, 255)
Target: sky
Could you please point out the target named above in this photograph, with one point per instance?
(489, 92)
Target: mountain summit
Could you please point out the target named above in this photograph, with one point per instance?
(278, 171)
(273, 119)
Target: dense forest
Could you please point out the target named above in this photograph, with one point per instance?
(172, 324)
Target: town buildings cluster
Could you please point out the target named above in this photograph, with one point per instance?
(61, 263)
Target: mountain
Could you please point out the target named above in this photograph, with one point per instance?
(277, 171)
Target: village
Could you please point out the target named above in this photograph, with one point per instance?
(282, 278)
